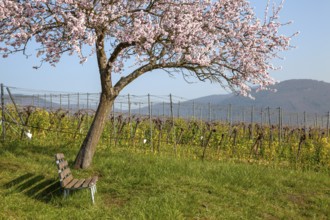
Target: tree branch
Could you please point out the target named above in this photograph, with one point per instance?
(120, 47)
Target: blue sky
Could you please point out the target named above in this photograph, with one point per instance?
(310, 60)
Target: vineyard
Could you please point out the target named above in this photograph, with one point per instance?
(260, 141)
(157, 159)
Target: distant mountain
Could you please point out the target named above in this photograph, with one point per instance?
(214, 99)
(297, 95)
(293, 96)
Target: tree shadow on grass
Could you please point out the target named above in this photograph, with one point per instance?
(19, 147)
(35, 186)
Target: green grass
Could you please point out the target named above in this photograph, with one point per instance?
(139, 185)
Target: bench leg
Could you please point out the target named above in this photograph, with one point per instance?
(93, 190)
(66, 192)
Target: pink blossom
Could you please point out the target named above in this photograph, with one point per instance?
(221, 41)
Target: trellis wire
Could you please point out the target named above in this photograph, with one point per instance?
(164, 106)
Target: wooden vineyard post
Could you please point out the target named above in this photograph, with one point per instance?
(193, 108)
(45, 101)
(12, 99)
(38, 100)
(87, 106)
(298, 123)
(172, 117)
(114, 123)
(261, 117)
(243, 115)
(129, 115)
(210, 112)
(69, 102)
(252, 121)
(18, 113)
(328, 122)
(269, 117)
(60, 101)
(78, 104)
(139, 108)
(305, 124)
(229, 118)
(3, 114)
(150, 122)
(316, 121)
(51, 102)
(279, 125)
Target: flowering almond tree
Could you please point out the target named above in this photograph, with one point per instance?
(219, 41)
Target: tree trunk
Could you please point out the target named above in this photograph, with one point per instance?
(87, 150)
(108, 96)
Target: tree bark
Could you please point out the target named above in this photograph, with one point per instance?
(87, 150)
(108, 96)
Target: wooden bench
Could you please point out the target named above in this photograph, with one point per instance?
(68, 182)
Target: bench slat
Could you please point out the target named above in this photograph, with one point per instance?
(86, 183)
(59, 156)
(62, 165)
(65, 173)
(93, 181)
(79, 184)
(66, 181)
(71, 184)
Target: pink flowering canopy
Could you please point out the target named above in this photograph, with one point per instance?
(222, 41)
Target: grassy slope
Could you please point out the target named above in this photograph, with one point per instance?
(135, 185)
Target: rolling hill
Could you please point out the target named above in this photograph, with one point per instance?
(293, 96)
(297, 95)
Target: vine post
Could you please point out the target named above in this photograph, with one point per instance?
(252, 121)
(38, 101)
(51, 102)
(3, 114)
(163, 111)
(114, 123)
(305, 124)
(193, 109)
(261, 117)
(269, 117)
(87, 104)
(298, 123)
(69, 102)
(45, 101)
(172, 118)
(228, 114)
(328, 122)
(129, 115)
(150, 121)
(316, 121)
(139, 108)
(17, 111)
(78, 104)
(279, 125)
(210, 111)
(243, 115)
(60, 101)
